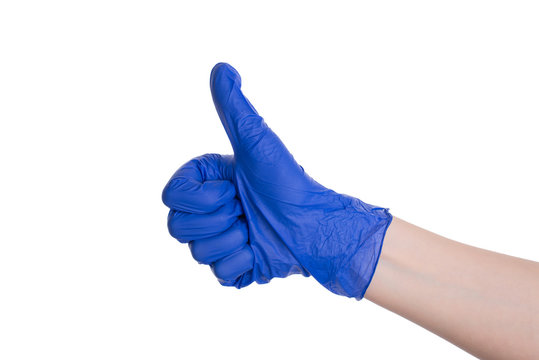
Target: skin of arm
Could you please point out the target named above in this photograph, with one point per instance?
(484, 302)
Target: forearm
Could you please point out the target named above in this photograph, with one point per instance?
(484, 302)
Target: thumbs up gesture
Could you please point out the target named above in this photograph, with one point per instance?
(256, 215)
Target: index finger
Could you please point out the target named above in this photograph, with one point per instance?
(202, 185)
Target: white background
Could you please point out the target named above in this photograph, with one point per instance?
(429, 108)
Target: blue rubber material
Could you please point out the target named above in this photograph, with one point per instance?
(256, 215)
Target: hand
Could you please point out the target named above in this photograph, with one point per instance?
(257, 215)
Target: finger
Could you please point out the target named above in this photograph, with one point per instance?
(191, 196)
(253, 141)
(241, 121)
(202, 185)
(233, 266)
(207, 251)
(188, 227)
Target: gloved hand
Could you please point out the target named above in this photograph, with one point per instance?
(257, 215)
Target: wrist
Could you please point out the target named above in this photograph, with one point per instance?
(346, 243)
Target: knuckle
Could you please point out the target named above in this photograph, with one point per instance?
(174, 227)
(197, 253)
(251, 128)
(173, 190)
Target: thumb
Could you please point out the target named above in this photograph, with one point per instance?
(241, 121)
(253, 141)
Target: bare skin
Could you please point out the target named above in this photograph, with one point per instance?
(484, 302)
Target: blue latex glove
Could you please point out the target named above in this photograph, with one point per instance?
(257, 215)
